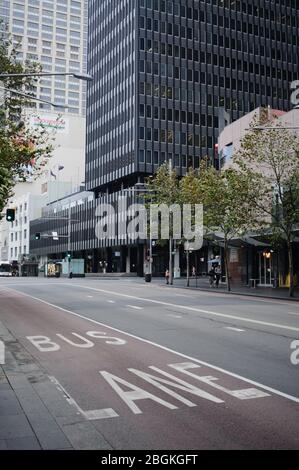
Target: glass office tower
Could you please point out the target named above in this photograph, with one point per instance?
(163, 69)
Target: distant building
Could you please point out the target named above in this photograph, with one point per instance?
(54, 34)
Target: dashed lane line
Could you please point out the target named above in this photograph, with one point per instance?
(233, 328)
(192, 309)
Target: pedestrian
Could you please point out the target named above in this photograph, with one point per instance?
(217, 275)
(167, 276)
(212, 276)
(193, 271)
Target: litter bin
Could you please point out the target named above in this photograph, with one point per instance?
(148, 278)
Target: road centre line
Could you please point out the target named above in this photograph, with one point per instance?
(165, 348)
(135, 307)
(233, 328)
(200, 292)
(192, 309)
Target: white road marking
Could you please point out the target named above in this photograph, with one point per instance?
(174, 382)
(90, 415)
(293, 313)
(111, 301)
(192, 309)
(245, 394)
(233, 328)
(135, 307)
(90, 296)
(135, 393)
(165, 348)
(173, 315)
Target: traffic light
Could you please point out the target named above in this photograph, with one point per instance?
(10, 215)
(37, 236)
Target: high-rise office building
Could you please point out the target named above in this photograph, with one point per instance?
(162, 69)
(54, 34)
(166, 73)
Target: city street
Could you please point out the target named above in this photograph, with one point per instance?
(156, 367)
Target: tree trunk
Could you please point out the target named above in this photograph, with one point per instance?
(188, 269)
(226, 266)
(291, 268)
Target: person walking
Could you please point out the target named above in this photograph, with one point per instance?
(217, 275)
(212, 276)
(193, 271)
(167, 276)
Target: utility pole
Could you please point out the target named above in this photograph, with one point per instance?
(69, 242)
(170, 238)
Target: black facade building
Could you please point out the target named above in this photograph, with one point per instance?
(162, 72)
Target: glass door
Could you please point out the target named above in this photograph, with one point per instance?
(265, 269)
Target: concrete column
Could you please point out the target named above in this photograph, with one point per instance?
(176, 264)
(128, 261)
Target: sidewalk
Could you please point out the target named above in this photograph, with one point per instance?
(34, 413)
(203, 284)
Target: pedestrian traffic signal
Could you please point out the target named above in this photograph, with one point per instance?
(69, 256)
(10, 215)
(37, 236)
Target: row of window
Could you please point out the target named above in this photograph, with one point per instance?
(217, 39)
(184, 11)
(179, 116)
(185, 95)
(170, 136)
(18, 251)
(15, 236)
(158, 158)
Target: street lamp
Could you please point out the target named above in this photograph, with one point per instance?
(79, 76)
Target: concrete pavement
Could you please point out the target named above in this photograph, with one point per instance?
(212, 371)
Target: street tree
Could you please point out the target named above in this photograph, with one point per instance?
(269, 157)
(226, 211)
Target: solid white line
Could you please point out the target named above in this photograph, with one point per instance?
(293, 313)
(165, 348)
(174, 316)
(233, 328)
(192, 309)
(135, 307)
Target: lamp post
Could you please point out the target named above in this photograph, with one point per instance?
(80, 76)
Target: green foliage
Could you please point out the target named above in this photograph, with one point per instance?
(270, 159)
(163, 188)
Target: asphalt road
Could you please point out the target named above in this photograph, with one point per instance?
(158, 367)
